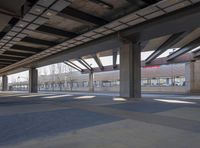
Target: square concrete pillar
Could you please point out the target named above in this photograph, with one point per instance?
(192, 79)
(189, 76)
(33, 80)
(4, 83)
(130, 70)
(91, 82)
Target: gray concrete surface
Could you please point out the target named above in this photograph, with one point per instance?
(93, 120)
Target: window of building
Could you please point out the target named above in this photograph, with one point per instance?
(166, 81)
(154, 82)
(179, 81)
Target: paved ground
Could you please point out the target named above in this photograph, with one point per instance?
(75, 120)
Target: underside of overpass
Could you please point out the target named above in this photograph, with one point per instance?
(37, 33)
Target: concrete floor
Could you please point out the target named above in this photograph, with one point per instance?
(75, 120)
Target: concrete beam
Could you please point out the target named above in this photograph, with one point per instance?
(163, 61)
(55, 31)
(98, 61)
(166, 45)
(85, 64)
(196, 54)
(82, 17)
(38, 41)
(182, 20)
(103, 44)
(184, 49)
(73, 66)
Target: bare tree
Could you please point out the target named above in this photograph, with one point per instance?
(52, 70)
(69, 77)
(59, 76)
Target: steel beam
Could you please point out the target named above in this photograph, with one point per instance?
(55, 31)
(76, 15)
(166, 45)
(98, 61)
(38, 41)
(184, 49)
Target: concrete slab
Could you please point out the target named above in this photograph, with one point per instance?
(185, 113)
(88, 120)
(120, 134)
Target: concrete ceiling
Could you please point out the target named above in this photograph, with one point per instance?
(190, 37)
(52, 24)
(155, 43)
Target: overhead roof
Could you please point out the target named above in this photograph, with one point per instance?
(34, 29)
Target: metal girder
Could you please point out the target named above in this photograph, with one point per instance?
(98, 61)
(115, 59)
(13, 53)
(85, 64)
(166, 45)
(38, 41)
(184, 49)
(25, 48)
(55, 31)
(73, 66)
(82, 17)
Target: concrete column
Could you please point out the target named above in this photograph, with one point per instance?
(130, 71)
(33, 80)
(189, 75)
(192, 79)
(91, 82)
(4, 83)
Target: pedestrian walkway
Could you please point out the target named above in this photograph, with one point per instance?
(92, 120)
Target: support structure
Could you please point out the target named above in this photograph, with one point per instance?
(4, 83)
(130, 70)
(33, 80)
(91, 80)
(192, 80)
(189, 78)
